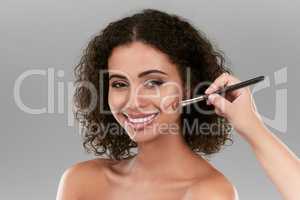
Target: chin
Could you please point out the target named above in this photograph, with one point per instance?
(142, 135)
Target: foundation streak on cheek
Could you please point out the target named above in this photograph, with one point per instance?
(170, 102)
(174, 104)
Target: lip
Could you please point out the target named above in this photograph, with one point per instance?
(138, 115)
(138, 121)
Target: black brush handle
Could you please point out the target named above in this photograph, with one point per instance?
(240, 85)
(224, 90)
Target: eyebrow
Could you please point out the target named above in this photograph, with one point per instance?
(140, 75)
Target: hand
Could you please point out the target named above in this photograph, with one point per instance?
(237, 107)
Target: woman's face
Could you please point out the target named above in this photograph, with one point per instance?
(143, 87)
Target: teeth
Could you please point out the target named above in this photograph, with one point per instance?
(141, 119)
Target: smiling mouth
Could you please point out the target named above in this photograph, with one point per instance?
(140, 121)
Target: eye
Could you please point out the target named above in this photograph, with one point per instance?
(119, 84)
(153, 83)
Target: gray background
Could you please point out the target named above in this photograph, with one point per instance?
(257, 36)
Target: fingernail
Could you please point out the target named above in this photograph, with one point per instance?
(207, 102)
(211, 97)
(207, 90)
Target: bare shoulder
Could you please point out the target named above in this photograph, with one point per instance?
(80, 178)
(214, 187)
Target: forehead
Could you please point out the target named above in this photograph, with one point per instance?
(138, 57)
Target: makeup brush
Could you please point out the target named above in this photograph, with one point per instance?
(223, 90)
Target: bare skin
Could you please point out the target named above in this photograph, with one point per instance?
(278, 161)
(104, 179)
(164, 168)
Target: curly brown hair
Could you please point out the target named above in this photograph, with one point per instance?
(187, 47)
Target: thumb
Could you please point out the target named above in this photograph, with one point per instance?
(223, 107)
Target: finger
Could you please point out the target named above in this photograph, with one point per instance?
(221, 82)
(222, 106)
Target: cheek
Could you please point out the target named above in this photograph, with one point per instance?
(169, 95)
(116, 100)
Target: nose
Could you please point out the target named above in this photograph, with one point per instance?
(138, 99)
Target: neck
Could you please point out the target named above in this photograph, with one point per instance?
(166, 155)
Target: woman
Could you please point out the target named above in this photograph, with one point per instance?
(140, 68)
